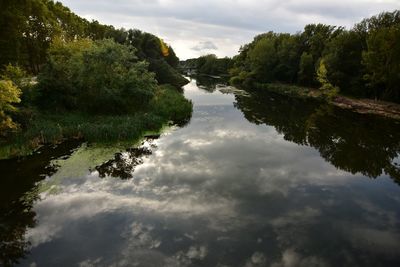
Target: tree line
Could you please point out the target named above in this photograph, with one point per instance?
(208, 64)
(362, 62)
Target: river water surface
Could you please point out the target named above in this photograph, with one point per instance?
(252, 180)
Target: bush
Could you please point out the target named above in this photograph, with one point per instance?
(165, 74)
(327, 89)
(14, 74)
(9, 95)
(171, 105)
(96, 77)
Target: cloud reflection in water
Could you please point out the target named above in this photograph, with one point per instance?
(219, 192)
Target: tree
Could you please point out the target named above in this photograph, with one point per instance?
(96, 77)
(263, 58)
(382, 62)
(289, 58)
(306, 69)
(9, 96)
(14, 74)
(327, 88)
(342, 57)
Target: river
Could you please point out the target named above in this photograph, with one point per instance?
(252, 180)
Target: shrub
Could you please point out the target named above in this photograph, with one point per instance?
(96, 77)
(9, 95)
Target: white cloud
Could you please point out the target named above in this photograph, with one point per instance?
(204, 46)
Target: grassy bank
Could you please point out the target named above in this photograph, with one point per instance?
(167, 106)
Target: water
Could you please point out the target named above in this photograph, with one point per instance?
(252, 180)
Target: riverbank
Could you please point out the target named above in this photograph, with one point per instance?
(169, 106)
(362, 106)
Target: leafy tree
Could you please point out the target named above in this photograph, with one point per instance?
(342, 57)
(289, 51)
(382, 62)
(306, 69)
(14, 74)
(98, 77)
(165, 74)
(263, 58)
(161, 57)
(9, 96)
(327, 88)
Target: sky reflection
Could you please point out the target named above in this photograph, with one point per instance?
(221, 191)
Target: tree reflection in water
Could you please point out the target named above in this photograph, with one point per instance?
(208, 83)
(123, 164)
(19, 190)
(356, 143)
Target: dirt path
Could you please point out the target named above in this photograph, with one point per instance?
(369, 106)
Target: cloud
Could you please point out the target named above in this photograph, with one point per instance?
(226, 23)
(291, 258)
(207, 45)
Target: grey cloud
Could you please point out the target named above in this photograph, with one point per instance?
(255, 15)
(207, 45)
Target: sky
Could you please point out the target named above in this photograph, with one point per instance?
(198, 27)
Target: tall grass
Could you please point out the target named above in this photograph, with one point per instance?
(168, 106)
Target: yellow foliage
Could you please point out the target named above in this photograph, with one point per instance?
(326, 87)
(9, 95)
(164, 48)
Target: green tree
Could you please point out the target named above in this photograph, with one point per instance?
(9, 96)
(289, 52)
(327, 88)
(97, 77)
(14, 74)
(263, 58)
(306, 69)
(382, 62)
(342, 57)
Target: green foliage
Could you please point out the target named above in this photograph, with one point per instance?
(98, 77)
(315, 37)
(29, 27)
(168, 105)
(9, 96)
(243, 78)
(362, 62)
(342, 58)
(263, 58)
(208, 64)
(14, 74)
(94, 81)
(328, 90)
(23, 81)
(288, 58)
(165, 74)
(306, 69)
(382, 62)
(161, 57)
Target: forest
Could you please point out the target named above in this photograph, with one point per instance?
(62, 76)
(362, 62)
